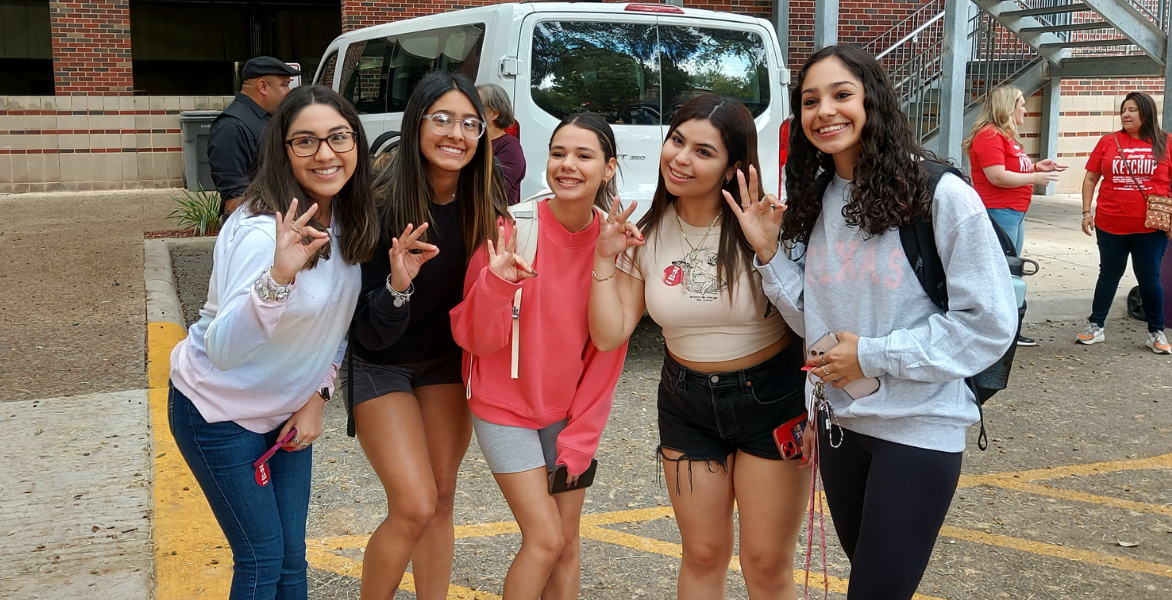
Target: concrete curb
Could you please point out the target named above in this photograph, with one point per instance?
(161, 297)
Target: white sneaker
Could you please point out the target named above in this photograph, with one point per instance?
(1093, 334)
(1158, 343)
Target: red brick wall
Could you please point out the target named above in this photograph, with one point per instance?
(91, 47)
(859, 22)
(1111, 87)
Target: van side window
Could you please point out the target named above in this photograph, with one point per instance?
(363, 82)
(325, 75)
(727, 62)
(608, 68)
(454, 49)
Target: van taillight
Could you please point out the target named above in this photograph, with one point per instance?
(655, 8)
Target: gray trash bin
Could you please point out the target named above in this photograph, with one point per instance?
(195, 125)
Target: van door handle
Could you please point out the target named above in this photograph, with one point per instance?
(510, 66)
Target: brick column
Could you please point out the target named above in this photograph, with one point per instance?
(91, 47)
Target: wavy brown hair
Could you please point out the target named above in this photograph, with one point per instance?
(402, 187)
(274, 186)
(739, 134)
(1149, 130)
(890, 188)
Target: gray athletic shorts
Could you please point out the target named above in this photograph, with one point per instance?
(516, 449)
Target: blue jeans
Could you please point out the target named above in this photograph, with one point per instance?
(1012, 222)
(1147, 251)
(265, 526)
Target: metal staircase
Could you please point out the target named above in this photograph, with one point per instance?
(1023, 43)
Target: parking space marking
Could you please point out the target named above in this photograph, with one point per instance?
(192, 559)
(1085, 556)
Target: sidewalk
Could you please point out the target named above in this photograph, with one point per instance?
(76, 463)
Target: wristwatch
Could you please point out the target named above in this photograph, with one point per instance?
(325, 393)
(403, 297)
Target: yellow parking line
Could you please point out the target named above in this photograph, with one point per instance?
(1163, 461)
(348, 567)
(1086, 556)
(1063, 494)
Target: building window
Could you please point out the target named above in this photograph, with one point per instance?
(26, 48)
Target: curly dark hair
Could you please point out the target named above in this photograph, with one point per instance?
(890, 188)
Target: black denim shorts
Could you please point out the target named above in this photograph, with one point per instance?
(372, 380)
(708, 416)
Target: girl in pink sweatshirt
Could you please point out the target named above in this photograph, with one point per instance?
(542, 400)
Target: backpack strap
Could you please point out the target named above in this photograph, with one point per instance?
(525, 223)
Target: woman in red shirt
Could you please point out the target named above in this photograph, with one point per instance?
(1135, 156)
(1003, 174)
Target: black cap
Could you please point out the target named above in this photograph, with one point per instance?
(266, 65)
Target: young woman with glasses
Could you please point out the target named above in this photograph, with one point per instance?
(261, 360)
(440, 190)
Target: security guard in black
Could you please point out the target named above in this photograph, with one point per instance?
(235, 134)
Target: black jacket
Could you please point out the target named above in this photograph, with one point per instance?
(232, 146)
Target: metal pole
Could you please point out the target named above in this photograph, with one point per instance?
(954, 63)
(780, 18)
(825, 23)
(1051, 111)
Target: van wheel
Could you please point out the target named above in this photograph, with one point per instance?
(386, 142)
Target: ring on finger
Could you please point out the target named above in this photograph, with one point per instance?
(825, 372)
(824, 361)
(303, 444)
(298, 232)
(296, 441)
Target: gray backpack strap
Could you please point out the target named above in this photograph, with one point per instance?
(525, 223)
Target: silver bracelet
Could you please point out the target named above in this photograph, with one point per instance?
(268, 289)
(403, 297)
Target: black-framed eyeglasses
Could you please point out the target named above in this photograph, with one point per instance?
(443, 124)
(308, 145)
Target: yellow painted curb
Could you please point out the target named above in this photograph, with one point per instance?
(192, 559)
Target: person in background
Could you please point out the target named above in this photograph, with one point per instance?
(1003, 174)
(260, 362)
(505, 147)
(1134, 156)
(236, 132)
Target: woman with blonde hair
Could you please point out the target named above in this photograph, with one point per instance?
(1003, 174)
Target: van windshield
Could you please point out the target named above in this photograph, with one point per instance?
(640, 74)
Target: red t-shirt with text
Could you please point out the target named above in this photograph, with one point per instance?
(1121, 207)
(991, 148)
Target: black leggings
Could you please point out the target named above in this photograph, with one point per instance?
(888, 502)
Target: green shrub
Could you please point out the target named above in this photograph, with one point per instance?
(198, 211)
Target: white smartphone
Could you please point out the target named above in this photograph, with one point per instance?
(856, 389)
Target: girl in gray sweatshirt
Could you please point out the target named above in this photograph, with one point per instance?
(890, 481)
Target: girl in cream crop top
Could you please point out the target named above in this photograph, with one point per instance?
(683, 295)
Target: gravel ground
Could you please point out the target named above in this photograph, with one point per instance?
(1067, 405)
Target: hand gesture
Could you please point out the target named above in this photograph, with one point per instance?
(616, 234)
(1048, 165)
(840, 365)
(760, 219)
(1045, 177)
(507, 264)
(296, 243)
(407, 255)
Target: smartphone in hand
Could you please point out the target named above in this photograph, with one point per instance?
(560, 478)
(856, 389)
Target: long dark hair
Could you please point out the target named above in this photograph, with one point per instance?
(402, 188)
(739, 134)
(274, 185)
(597, 125)
(890, 187)
(1149, 129)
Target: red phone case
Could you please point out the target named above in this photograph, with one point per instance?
(788, 437)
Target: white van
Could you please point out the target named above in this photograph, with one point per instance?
(636, 64)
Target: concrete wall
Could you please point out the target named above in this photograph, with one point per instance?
(50, 143)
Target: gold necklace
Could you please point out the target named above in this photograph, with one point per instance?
(695, 249)
(588, 222)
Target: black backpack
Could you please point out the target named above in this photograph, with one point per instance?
(919, 244)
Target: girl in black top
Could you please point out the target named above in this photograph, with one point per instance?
(408, 407)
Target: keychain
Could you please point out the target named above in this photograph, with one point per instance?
(825, 420)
